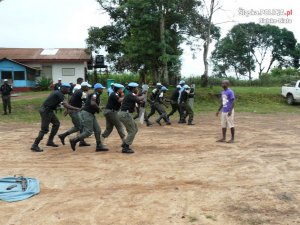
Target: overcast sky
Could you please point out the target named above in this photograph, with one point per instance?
(64, 23)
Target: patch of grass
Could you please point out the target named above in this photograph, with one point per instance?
(211, 217)
(192, 219)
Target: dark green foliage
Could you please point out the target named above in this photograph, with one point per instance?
(277, 77)
(145, 36)
(250, 46)
(44, 83)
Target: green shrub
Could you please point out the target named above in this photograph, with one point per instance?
(44, 83)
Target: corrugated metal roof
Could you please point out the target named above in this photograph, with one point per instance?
(32, 54)
(19, 63)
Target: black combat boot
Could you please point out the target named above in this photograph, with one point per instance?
(149, 123)
(101, 148)
(158, 122)
(127, 150)
(84, 144)
(50, 142)
(35, 147)
(62, 137)
(73, 143)
(190, 123)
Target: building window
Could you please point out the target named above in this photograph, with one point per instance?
(6, 75)
(68, 71)
(19, 75)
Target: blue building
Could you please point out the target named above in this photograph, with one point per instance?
(20, 76)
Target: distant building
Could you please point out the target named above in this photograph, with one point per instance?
(65, 63)
(21, 76)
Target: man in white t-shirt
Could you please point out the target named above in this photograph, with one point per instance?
(78, 84)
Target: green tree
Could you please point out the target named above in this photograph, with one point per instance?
(145, 35)
(251, 45)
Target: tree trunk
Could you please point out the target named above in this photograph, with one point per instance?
(271, 63)
(206, 45)
(164, 69)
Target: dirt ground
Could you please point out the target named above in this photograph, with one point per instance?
(179, 175)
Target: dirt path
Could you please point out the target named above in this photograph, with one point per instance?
(179, 175)
(19, 96)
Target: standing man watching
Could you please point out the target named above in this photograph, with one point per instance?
(125, 116)
(227, 108)
(77, 100)
(174, 101)
(89, 121)
(48, 116)
(6, 90)
(58, 85)
(111, 112)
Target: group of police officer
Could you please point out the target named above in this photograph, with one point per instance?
(118, 112)
(180, 101)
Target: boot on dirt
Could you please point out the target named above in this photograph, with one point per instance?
(50, 143)
(127, 150)
(191, 123)
(36, 148)
(149, 123)
(158, 122)
(101, 148)
(168, 122)
(83, 144)
(73, 143)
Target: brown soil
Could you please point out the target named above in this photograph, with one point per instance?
(179, 175)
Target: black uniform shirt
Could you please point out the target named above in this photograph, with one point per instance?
(113, 103)
(160, 97)
(154, 94)
(184, 97)
(76, 99)
(175, 95)
(88, 107)
(53, 100)
(192, 93)
(5, 89)
(129, 102)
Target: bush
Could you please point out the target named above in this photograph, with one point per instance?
(44, 83)
(277, 77)
(119, 78)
